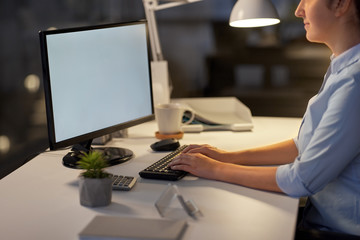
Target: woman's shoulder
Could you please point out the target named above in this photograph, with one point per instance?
(349, 77)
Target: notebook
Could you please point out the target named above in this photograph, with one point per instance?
(110, 227)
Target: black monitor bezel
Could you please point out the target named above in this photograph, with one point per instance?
(53, 144)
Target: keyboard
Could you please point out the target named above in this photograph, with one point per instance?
(122, 183)
(160, 169)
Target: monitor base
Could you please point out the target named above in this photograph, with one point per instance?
(113, 155)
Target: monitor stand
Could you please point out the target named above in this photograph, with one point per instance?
(113, 155)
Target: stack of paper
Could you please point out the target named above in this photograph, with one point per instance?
(221, 113)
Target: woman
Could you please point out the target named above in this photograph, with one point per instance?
(323, 161)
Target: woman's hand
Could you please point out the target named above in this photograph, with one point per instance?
(207, 150)
(197, 164)
(203, 166)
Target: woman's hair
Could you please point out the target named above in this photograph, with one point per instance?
(357, 4)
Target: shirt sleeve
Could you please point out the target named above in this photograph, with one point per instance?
(334, 144)
(296, 142)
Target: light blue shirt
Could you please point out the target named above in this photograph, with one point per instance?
(327, 168)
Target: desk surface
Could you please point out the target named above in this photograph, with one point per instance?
(40, 200)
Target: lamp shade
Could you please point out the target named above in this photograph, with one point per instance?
(253, 13)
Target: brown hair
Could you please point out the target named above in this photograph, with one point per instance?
(357, 4)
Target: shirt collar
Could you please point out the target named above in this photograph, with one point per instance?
(345, 59)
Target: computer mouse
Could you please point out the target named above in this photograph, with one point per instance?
(170, 144)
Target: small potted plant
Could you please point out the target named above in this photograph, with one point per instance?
(94, 183)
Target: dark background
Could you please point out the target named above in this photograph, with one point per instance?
(273, 70)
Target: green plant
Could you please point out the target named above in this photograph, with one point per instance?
(93, 163)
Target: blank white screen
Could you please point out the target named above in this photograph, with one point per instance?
(99, 78)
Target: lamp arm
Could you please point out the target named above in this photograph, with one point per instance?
(169, 5)
(149, 7)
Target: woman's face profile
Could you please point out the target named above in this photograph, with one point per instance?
(318, 18)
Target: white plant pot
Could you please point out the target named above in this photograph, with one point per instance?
(95, 192)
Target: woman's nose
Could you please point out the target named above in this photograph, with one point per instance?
(299, 12)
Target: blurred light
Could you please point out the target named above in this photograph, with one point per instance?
(32, 83)
(4, 144)
(256, 22)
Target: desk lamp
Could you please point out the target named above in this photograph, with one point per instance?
(246, 13)
(159, 66)
(253, 13)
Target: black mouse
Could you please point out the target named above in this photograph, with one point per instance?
(170, 144)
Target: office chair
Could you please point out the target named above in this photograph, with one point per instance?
(314, 234)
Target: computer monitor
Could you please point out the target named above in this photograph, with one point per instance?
(97, 80)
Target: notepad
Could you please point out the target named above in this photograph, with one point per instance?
(110, 227)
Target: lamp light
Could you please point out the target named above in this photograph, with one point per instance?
(253, 13)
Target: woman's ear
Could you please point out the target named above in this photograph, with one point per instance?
(341, 7)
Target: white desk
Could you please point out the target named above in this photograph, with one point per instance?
(40, 200)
